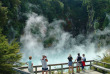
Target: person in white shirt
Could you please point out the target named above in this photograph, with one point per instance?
(44, 64)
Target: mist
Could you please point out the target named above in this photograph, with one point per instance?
(38, 30)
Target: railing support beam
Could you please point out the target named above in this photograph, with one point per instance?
(49, 69)
(62, 69)
(90, 64)
(73, 67)
(36, 70)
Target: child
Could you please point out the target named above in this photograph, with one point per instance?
(30, 65)
(44, 61)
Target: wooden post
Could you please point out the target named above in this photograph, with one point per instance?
(103, 72)
(96, 62)
(104, 64)
(62, 69)
(90, 64)
(35, 70)
(49, 69)
(95, 69)
(73, 67)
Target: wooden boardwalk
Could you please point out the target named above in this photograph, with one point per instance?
(86, 72)
(89, 72)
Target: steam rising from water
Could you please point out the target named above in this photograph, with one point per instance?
(38, 30)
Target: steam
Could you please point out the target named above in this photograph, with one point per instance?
(38, 30)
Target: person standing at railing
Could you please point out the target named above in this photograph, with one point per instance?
(78, 59)
(30, 64)
(83, 62)
(70, 63)
(44, 61)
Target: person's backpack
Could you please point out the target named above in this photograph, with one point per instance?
(79, 59)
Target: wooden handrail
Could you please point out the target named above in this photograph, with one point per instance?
(52, 64)
(96, 66)
(20, 71)
(60, 64)
(58, 69)
(102, 62)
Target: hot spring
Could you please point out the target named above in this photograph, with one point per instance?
(43, 38)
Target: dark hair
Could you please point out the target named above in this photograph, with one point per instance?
(83, 54)
(78, 54)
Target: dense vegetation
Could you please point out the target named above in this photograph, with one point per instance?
(82, 16)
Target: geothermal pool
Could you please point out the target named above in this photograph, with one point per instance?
(38, 30)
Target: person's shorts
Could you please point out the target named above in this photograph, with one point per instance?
(78, 64)
(44, 69)
(30, 70)
(70, 63)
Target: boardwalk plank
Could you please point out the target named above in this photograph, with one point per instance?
(86, 72)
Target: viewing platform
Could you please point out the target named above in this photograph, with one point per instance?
(64, 66)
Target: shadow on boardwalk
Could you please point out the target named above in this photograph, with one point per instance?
(86, 72)
(89, 72)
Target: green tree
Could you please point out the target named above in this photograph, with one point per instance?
(80, 15)
(3, 15)
(9, 55)
(97, 10)
(9, 18)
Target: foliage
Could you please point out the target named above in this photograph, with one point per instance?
(96, 25)
(106, 57)
(9, 55)
(10, 20)
(3, 15)
(77, 13)
(80, 15)
(100, 9)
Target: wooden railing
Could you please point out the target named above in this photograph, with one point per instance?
(90, 63)
(55, 69)
(102, 67)
(19, 71)
(104, 63)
